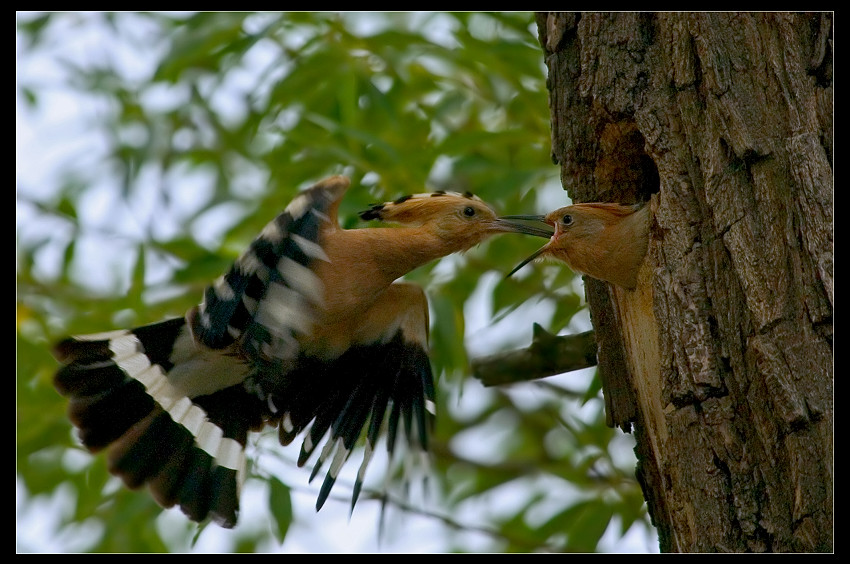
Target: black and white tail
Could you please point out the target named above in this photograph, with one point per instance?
(189, 451)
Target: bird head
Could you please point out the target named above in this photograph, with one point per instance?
(463, 220)
(603, 240)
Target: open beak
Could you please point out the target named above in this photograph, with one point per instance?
(514, 224)
(542, 229)
(533, 256)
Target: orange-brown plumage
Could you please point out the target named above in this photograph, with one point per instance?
(309, 331)
(606, 241)
(364, 263)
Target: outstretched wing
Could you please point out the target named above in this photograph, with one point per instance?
(383, 382)
(267, 297)
(175, 415)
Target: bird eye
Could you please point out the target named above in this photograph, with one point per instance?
(468, 211)
(567, 219)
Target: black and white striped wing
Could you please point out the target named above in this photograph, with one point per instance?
(168, 400)
(266, 299)
(393, 389)
(382, 385)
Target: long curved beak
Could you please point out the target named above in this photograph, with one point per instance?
(541, 218)
(514, 223)
(533, 256)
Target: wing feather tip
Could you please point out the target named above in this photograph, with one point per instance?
(325, 491)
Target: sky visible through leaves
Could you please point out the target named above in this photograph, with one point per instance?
(152, 147)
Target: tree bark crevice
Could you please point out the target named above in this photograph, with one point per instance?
(725, 122)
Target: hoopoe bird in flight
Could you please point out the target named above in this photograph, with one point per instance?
(602, 240)
(308, 328)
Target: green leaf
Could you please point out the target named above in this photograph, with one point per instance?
(280, 504)
(588, 525)
(448, 353)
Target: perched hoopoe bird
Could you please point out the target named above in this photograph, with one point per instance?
(308, 328)
(602, 240)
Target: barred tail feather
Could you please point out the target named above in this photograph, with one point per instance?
(165, 485)
(189, 451)
(137, 454)
(105, 416)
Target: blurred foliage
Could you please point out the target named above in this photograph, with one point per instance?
(208, 124)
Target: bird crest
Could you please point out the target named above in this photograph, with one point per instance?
(419, 208)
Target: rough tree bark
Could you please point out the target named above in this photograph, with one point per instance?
(721, 360)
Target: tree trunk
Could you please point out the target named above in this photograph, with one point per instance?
(721, 359)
